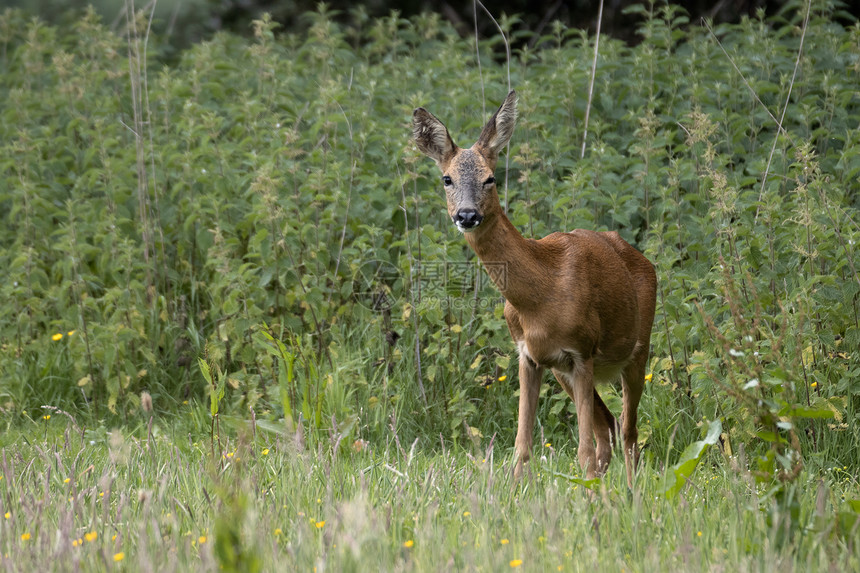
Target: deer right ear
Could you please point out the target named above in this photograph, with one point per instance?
(431, 136)
(499, 129)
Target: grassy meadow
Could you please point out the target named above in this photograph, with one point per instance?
(239, 332)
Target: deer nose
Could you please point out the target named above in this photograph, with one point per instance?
(467, 218)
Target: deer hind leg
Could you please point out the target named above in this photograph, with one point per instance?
(632, 385)
(530, 381)
(602, 419)
(604, 432)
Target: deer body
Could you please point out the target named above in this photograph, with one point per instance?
(579, 303)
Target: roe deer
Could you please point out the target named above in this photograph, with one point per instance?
(580, 303)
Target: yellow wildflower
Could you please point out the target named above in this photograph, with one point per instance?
(75, 542)
(320, 524)
(46, 417)
(278, 531)
(505, 541)
(266, 452)
(71, 332)
(515, 563)
(409, 543)
(502, 378)
(90, 537)
(7, 515)
(467, 513)
(201, 540)
(118, 556)
(813, 385)
(58, 336)
(699, 533)
(25, 536)
(648, 377)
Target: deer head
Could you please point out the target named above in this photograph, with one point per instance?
(467, 174)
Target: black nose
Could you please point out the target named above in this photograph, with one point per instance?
(468, 218)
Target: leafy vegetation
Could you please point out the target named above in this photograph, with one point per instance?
(250, 235)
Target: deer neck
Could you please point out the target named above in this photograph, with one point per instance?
(509, 259)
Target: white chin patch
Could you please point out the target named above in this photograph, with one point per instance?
(463, 229)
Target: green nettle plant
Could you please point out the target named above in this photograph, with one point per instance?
(230, 203)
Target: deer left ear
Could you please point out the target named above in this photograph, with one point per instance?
(432, 137)
(497, 133)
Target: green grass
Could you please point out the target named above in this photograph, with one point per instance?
(156, 495)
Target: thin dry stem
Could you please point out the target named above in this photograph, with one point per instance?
(591, 82)
(785, 107)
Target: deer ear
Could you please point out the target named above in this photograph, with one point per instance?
(499, 129)
(431, 136)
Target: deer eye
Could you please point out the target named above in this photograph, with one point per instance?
(490, 180)
(446, 181)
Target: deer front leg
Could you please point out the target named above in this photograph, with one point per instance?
(583, 389)
(530, 381)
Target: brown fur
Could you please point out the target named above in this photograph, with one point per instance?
(579, 303)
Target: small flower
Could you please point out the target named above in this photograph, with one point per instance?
(90, 537)
(699, 533)
(278, 531)
(813, 385)
(71, 332)
(502, 378)
(648, 377)
(117, 557)
(201, 540)
(7, 515)
(320, 524)
(58, 336)
(467, 513)
(46, 417)
(75, 542)
(67, 480)
(505, 542)
(25, 536)
(265, 452)
(515, 563)
(547, 445)
(408, 543)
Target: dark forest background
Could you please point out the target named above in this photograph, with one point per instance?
(185, 22)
